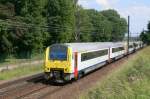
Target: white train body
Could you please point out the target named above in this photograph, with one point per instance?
(82, 58)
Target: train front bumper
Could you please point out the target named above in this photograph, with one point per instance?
(58, 75)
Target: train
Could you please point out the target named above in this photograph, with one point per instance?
(70, 61)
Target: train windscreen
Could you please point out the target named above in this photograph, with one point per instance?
(58, 52)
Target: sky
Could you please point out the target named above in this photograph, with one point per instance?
(138, 10)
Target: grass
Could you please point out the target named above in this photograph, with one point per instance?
(12, 60)
(130, 81)
(19, 72)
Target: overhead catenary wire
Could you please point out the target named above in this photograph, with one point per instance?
(19, 25)
(11, 25)
(25, 25)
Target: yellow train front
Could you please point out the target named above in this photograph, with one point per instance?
(58, 63)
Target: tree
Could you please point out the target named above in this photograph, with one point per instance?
(6, 11)
(119, 24)
(33, 38)
(148, 26)
(31, 25)
(145, 35)
(5, 43)
(7, 36)
(102, 28)
(106, 33)
(61, 20)
(85, 26)
(27, 24)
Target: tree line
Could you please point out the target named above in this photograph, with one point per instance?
(145, 35)
(31, 25)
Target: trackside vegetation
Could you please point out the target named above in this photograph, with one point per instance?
(27, 27)
(11, 60)
(145, 35)
(19, 72)
(131, 81)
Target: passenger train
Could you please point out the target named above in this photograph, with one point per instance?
(68, 61)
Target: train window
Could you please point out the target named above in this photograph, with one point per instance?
(117, 49)
(95, 54)
(135, 44)
(130, 46)
(58, 52)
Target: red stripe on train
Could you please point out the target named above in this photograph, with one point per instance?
(76, 65)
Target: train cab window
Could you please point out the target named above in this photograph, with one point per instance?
(117, 49)
(95, 54)
(58, 52)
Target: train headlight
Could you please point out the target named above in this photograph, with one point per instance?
(66, 70)
(47, 69)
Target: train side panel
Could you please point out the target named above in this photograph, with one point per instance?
(91, 64)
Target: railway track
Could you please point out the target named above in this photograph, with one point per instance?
(31, 78)
(28, 87)
(35, 87)
(28, 90)
(11, 88)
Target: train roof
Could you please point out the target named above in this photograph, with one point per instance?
(81, 47)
